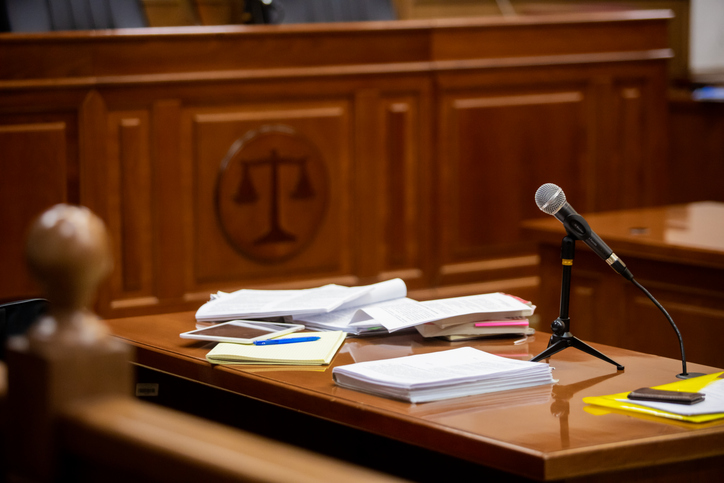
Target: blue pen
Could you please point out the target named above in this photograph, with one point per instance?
(290, 340)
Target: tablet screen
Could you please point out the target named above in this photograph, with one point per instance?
(242, 331)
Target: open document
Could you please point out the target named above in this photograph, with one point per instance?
(249, 304)
(346, 318)
(442, 375)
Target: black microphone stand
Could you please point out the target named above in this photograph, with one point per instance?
(562, 337)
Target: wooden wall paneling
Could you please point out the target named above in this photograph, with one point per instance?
(696, 155)
(655, 141)
(34, 167)
(499, 146)
(630, 165)
(93, 161)
(168, 216)
(632, 171)
(130, 212)
(405, 211)
(369, 184)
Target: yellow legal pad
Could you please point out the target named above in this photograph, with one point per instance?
(695, 384)
(314, 353)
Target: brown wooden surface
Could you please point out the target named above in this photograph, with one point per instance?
(676, 252)
(433, 136)
(544, 433)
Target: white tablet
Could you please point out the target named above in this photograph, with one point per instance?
(242, 331)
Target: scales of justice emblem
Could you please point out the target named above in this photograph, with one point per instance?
(271, 194)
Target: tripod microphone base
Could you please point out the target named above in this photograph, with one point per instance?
(559, 342)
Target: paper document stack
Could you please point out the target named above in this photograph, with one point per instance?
(475, 330)
(438, 317)
(345, 318)
(442, 375)
(330, 307)
(495, 314)
(381, 307)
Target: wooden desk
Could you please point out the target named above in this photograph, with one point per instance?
(544, 433)
(676, 252)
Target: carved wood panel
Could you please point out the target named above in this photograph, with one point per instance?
(268, 183)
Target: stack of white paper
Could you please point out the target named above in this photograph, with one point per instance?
(442, 375)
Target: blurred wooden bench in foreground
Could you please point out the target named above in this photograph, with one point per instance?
(65, 392)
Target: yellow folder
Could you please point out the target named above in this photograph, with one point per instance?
(695, 384)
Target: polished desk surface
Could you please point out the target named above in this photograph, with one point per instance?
(543, 433)
(691, 233)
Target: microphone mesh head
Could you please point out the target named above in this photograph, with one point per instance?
(550, 198)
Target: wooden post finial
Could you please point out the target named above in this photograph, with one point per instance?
(68, 251)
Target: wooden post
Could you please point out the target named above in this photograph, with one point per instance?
(67, 355)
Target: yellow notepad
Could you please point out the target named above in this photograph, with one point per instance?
(314, 353)
(695, 384)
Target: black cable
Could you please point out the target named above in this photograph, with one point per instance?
(671, 321)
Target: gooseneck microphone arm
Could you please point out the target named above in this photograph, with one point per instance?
(684, 374)
(551, 200)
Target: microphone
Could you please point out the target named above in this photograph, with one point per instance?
(551, 200)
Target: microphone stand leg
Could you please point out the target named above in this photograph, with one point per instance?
(568, 340)
(579, 344)
(562, 337)
(555, 345)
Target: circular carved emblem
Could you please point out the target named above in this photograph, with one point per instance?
(271, 193)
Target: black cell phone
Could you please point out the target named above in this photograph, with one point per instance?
(661, 395)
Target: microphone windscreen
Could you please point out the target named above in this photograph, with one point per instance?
(550, 198)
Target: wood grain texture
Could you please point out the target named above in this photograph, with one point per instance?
(433, 136)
